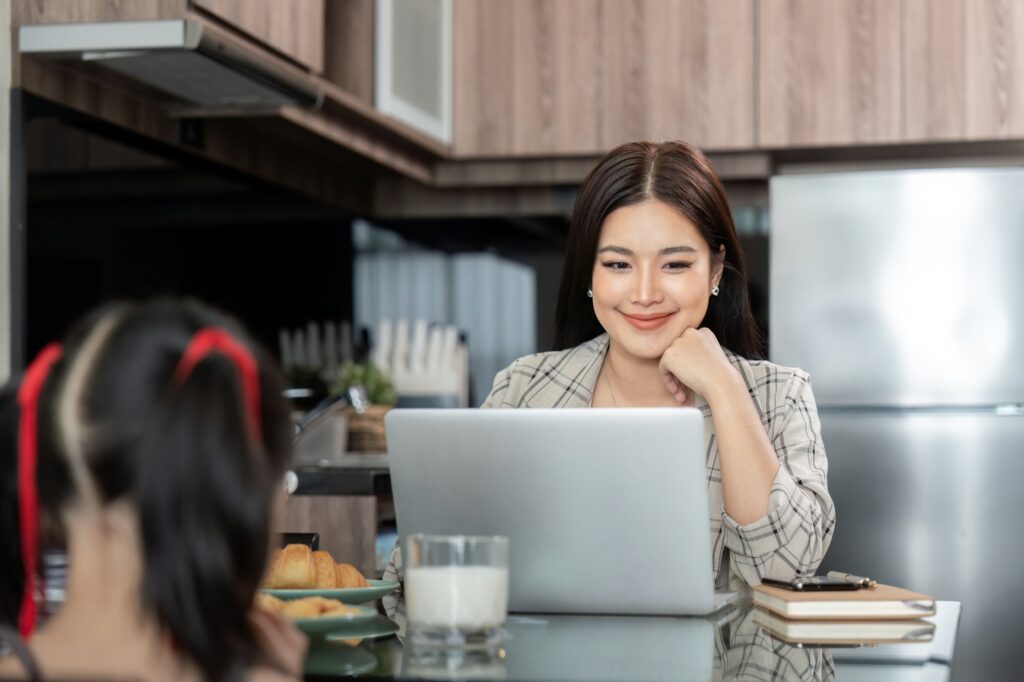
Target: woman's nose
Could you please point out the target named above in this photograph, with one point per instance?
(646, 290)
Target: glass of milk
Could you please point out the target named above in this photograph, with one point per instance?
(456, 590)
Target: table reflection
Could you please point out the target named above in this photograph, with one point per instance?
(745, 651)
(566, 648)
(434, 664)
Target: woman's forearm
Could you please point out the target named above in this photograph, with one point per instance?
(747, 459)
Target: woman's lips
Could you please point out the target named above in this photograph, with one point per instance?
(648, 322)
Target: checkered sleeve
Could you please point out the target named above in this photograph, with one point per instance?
(749, 653)
(394, 573)
(792, 538)
(502, 380)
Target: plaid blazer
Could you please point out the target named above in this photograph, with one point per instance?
(792, 538)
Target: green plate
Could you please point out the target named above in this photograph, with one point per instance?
(335, 658)
(382, 626)
(346, 595)
(324, 625)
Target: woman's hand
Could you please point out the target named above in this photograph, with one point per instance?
(695, 363)
(280, 640)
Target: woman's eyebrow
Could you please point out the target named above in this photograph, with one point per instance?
(663, 252)
(616, 249)
(677, 249)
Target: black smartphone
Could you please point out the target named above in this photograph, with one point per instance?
(813, 583)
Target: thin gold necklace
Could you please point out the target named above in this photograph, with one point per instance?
(611, 389)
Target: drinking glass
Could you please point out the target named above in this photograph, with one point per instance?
(456, 590)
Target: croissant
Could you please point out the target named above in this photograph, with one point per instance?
(326, 576)
(268, 603)
(297, 567)
(312, 607)
(349, 576)
(293, 568)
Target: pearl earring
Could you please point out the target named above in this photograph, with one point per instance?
(714, 292)
(590, 293)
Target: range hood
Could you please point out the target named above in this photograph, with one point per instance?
(178, 56)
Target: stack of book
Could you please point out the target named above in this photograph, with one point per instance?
(870, 615)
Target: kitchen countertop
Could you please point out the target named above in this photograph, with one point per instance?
(350, 474)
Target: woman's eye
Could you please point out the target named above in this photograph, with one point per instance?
(616, 265)
(677, 265)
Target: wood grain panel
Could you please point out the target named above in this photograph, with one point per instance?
(994, 68)
(830, 72)
(348, 46)
(730, 85)
(935, 58)
(519, 88)
(556, 81)
(294, 28)
(347, 526)
(964, 70)
(574, 77)
(26, 12)
(678, 70)
(482, 77)
(624, 82)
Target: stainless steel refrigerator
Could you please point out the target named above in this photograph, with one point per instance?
(902, 294)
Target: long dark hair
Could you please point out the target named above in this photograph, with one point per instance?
(682, 177)
(181, 453)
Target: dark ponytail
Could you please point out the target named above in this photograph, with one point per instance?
(181, 452)
(204, 483)
(52, 480)
(202, 498)
(51, 485)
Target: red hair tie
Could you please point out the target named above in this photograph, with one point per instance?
(216, 340)
(28, 498)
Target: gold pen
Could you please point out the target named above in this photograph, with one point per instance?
(850, 578)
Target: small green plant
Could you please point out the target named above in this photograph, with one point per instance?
(378, 385)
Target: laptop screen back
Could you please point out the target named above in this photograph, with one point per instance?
(606, 509)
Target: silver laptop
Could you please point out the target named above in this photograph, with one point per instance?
(606, 510)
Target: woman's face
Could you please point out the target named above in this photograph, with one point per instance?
(652, 277)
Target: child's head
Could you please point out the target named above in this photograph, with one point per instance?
(170, 416)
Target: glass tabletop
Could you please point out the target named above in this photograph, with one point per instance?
(637, 648)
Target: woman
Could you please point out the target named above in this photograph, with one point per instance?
(157, 439)
(653, 311)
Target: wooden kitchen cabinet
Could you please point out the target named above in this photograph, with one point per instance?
(294, 28)
(964, 69)
(27, 12)
(348, 46)
(564, 77)
(520, 88)
(853, 72)
(556, 77)
(935, 62)
(678, 70)
(829, 72)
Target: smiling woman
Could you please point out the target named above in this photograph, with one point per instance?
(636, 189)
(652, 277)
(653, 311)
